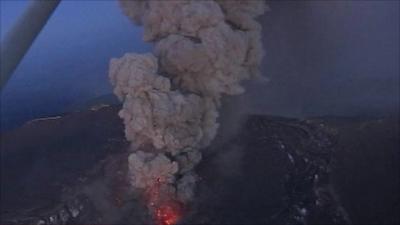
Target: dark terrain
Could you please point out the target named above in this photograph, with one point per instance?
(71, 170)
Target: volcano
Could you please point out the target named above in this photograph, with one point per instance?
(71, 169)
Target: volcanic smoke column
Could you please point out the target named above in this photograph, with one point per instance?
(203, 49)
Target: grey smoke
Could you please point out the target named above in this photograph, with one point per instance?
(203, 51)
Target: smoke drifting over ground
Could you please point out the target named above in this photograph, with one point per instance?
(203, 50)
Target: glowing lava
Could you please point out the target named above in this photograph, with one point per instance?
(168, 214)
(165, 209)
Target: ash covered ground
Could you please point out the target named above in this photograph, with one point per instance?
(71, 170)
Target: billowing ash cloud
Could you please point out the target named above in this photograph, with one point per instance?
(203, 49)
(155, 114)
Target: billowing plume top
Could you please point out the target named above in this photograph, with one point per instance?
(203, 50)
(162, 18)
(206, 47)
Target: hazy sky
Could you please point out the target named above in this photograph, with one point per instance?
(322, 57)
(68, 62)
(76, 43)
(330, 58)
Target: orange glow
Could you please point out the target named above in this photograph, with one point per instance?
(167, 214)
(165, 209)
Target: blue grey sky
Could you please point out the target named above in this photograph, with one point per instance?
(68, 62)
(322, 58)
(78, 41)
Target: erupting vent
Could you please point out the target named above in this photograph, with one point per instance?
(165, 209)
(171, 97)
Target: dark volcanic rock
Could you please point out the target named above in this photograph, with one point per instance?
(71, 170)
(282, 177)
(365, 169)
(44, 157)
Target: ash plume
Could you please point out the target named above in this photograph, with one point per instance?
(171, 97)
